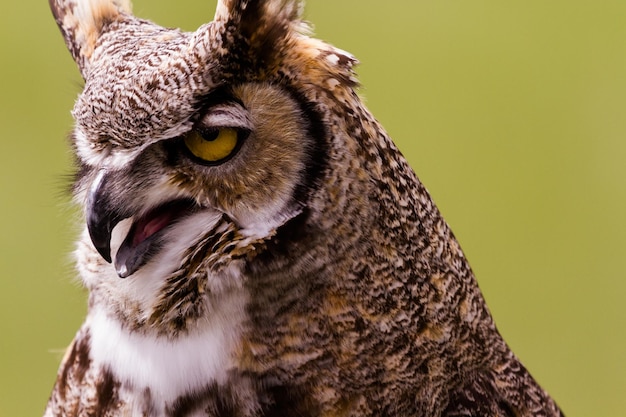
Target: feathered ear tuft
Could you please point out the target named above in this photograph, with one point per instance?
(262, 25)
(82, 21)
(256, 14)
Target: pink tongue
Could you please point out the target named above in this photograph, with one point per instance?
(147, 226)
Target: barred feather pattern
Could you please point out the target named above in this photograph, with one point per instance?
(309, 274)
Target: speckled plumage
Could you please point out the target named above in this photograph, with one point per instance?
(309, 273)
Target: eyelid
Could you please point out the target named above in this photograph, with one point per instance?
(226, 115)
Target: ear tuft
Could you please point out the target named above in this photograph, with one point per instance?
(264, 25)
(259, 11)
(81, 23)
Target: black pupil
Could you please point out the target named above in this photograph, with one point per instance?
(209, 134)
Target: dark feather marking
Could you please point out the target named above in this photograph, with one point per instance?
(184, 405)
(76, 365)
(317, 152)
(277, 401)
(290, 402)
(106, 393)
(310, 180)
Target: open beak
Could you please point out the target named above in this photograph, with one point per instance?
(146, 235)
(101, 217)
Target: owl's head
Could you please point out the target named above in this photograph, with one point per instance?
(198, 150)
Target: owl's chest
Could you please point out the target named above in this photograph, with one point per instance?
(159, 375)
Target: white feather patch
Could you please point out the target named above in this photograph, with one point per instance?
(170, 367)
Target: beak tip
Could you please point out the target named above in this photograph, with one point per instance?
(104, 251)
(107, 257)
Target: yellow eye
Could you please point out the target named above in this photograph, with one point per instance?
(212, 145)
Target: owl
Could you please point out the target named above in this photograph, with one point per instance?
(255, 245)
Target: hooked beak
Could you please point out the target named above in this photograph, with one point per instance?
(146, 235)
(101, 217)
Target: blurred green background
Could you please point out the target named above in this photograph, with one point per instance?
(512, 113)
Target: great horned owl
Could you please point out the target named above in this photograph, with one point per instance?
(255, 244)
